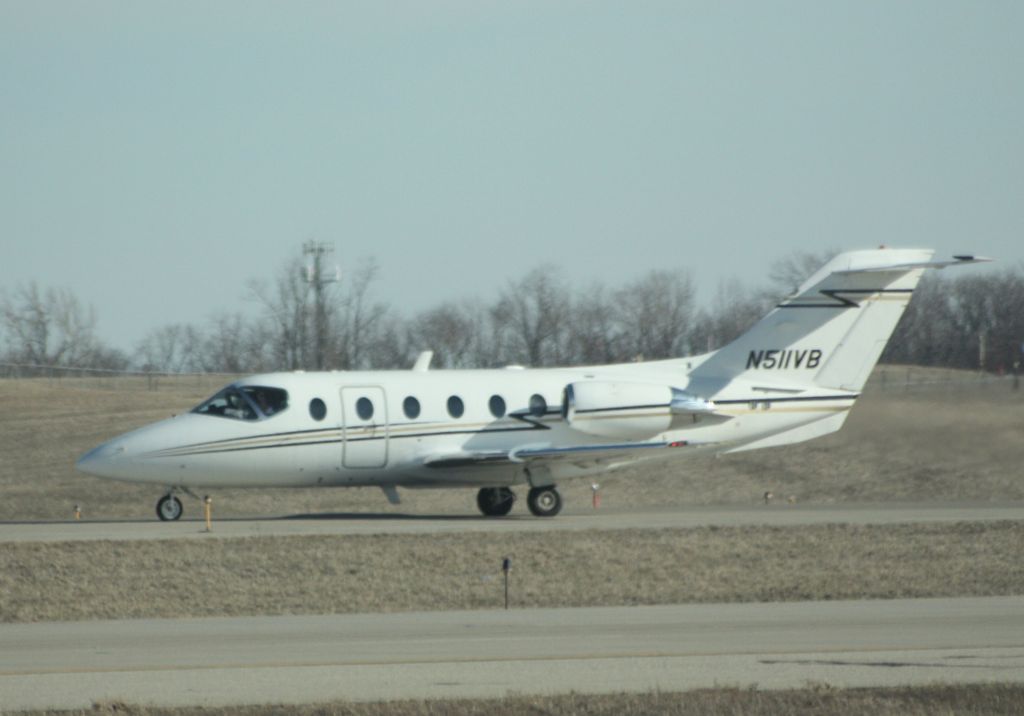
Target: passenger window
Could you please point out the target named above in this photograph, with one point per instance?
(538, 406)
(497, 405)
(411, 408)
(317, 409)
(455, 406)
(364, 408)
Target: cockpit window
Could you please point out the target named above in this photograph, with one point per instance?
(247, 402)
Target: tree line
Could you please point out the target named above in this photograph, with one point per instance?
(536, 320)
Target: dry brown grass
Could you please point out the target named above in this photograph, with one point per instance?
(384, 573)
(947, 441)
(965, 699)
(951, 440)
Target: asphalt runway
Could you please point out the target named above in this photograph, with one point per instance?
(308, 659)
(394, 523)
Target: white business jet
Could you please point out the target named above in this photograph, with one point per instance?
(792, 377)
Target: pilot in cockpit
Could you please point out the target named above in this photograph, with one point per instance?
(264, 403)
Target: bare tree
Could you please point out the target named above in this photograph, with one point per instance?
(452, 331)
(354, 321)
(356, 318)
(175, 348)
(286, 321)
(927, 333)
(787, 273)
(973, 321)
(736, 307)
(531, 318)
(535, 320)
(51, 328)
(390, 347)
(1006, 330)
(654, 314)
(226, 347)
(594, 332)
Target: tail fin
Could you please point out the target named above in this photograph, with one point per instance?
(831, 332)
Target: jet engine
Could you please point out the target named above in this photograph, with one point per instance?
(628, 411)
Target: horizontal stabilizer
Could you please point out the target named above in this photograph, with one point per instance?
(910, 266)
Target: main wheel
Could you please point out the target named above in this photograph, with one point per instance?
(495, 501)
(168, 508)
(544, 501)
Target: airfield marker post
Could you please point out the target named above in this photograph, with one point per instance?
(506, 567)
(207, 512)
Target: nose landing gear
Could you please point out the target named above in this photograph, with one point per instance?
(168, 508)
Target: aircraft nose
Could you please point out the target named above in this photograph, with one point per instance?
(101, 461)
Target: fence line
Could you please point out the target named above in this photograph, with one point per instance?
(890, 378)
(110, 379)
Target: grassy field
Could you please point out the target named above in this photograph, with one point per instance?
(966, 700)
(950, 440)
(947, 439)
(384, 573)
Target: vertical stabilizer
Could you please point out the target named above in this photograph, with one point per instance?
(831, 332)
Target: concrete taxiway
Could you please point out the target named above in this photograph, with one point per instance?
(303, 659)
(392, 523)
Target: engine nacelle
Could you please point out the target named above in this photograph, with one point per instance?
(627, 411)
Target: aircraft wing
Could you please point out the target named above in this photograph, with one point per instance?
(542, 454)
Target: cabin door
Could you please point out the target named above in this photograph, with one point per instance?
(364, 416)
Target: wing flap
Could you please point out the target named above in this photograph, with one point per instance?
(531, 455)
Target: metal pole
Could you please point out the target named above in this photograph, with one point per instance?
(316, 278)
(506, 567)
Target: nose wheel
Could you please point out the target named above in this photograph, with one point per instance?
(168, 508)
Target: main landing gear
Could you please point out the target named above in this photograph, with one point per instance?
(544, 501)
(495, 501)
(498, 501)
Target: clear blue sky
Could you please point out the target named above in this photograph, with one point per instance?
(154, 156)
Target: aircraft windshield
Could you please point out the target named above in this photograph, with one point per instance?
(246, 402)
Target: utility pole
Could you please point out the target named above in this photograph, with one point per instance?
(315, 277)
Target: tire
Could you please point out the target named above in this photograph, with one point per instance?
(544, 501)
(168, 508)
(495, 501)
